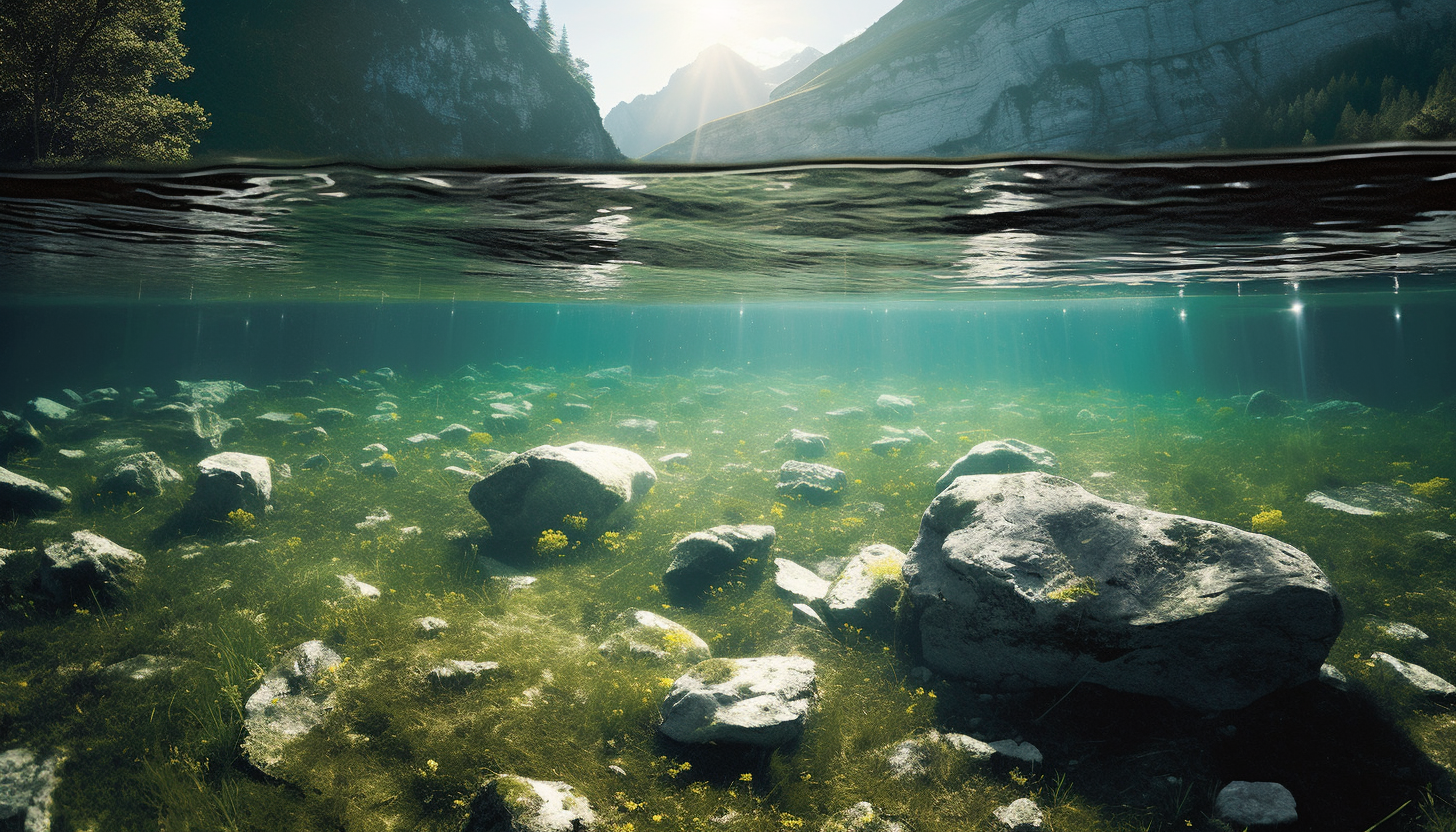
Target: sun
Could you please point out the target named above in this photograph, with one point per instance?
(718, 13)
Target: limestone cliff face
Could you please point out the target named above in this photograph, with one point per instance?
(962, 77)
(384, 81)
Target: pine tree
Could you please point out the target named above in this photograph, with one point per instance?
(543, 27)
(523, 8)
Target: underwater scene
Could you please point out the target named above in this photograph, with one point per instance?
(1025, 494)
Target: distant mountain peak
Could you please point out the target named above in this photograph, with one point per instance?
(719, 82)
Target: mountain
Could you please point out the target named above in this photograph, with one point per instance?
(384, 81)
(965, 77)
(717, 83)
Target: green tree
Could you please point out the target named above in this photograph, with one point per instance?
(544, 28)
(76, 80)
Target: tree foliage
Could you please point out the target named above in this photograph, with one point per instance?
(1401, 93)
(559, 45)
(76, 79)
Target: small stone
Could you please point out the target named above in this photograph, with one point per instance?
(464, 475)
(756, 701)
(26, 784)
(143, 474)
(291, 701)
(456, 674)
(422, 439)
(1265, 404)
(1366, 499)
(701, 558)
(809, 617)
(1415, 677)
(847, 414)
(456, 433)
(331, 415)
(1021, 815)
(23, 495)
(378, 518)
(643, 430)
(651, 635)
(804, 445)
(43, 411)
(797, 582)
(143, 667)
(518, 804)
(890, 444)
(430, 626)
(358, 588)
(229, 482)
(72, 453)
(894, 406)
(315, 462)
(1242, 803)
(1013, 752)
(679, 458)
(88, 566)
(861, 817)
(381, 468)
(811, 481)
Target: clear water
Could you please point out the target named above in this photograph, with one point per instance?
(1117, 312)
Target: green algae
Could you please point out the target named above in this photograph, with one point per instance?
(396, 753)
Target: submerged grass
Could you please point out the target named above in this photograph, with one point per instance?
(223, 602)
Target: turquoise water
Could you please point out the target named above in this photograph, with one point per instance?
(1118, 313)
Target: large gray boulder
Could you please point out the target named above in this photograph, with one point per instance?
(229, 482)
(143, 474)
(292, 700)
(510, 803)
(1414, 677)
(759, 701)
(1027, 580)
(88, 563)
(703, 557)
(999, 456)
(23, 495)
(533, 491)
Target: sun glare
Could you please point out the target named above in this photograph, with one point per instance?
(717, 13)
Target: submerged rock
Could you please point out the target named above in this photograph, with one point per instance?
(867, 593)
(229, 482)
(911, 759)
(1028, 580)
(861, 817)
(811, 481)
(510, 803)
(533, 491)
(292, 700)
(1021, 815)
(703, 557)
(999, 456)
(88, 566)
(1265, 404)
(1415, 677)
(193, 427)
(798, 583)
(44, 412)
(1366, 499)
(649, 634)
(214, 393)
(803, 444)
(27, 781)
(759, 701)
(23, 495)
(642, 430)
(143, 474)
(1244, 804)
(457, 674)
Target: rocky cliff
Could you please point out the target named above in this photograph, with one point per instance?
(384, 81)
(719, 82)
(963, 77)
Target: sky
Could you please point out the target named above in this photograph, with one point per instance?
(633, 46)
